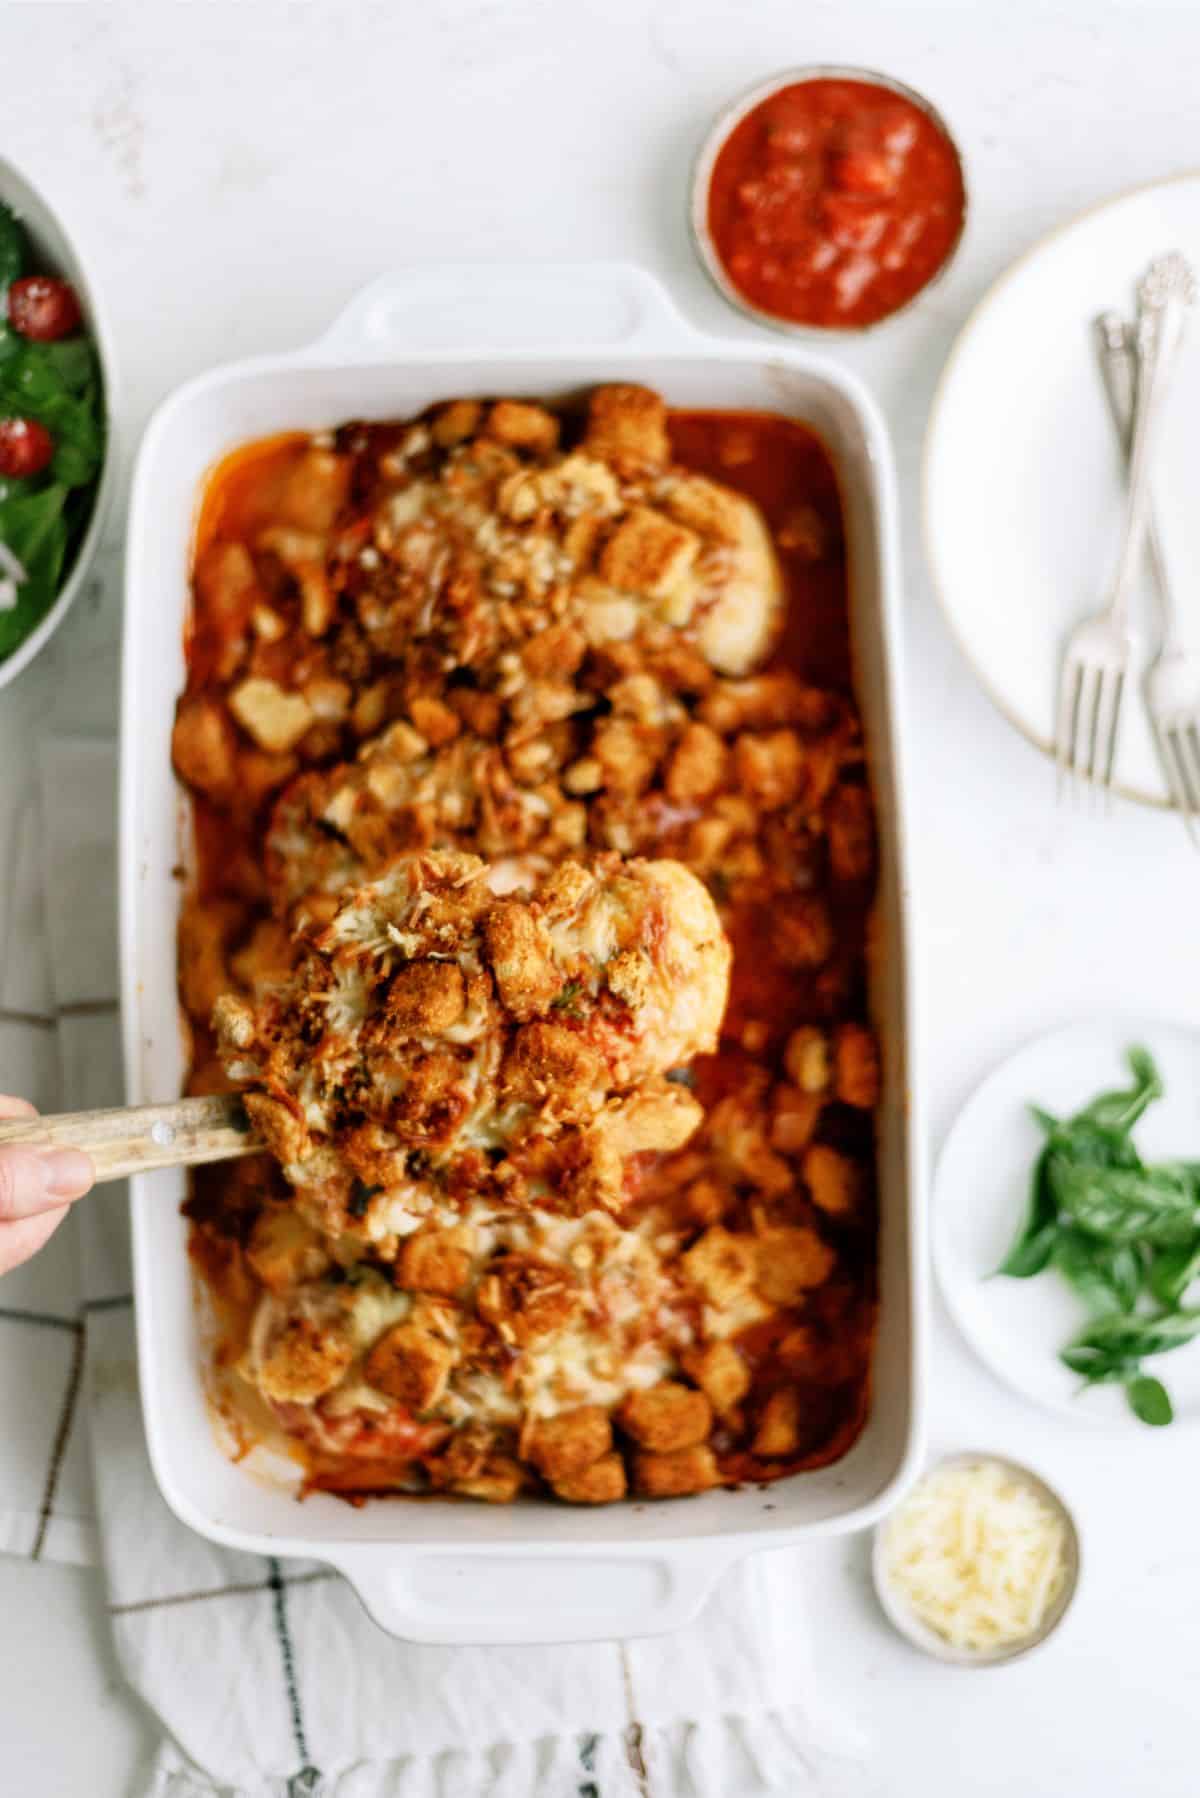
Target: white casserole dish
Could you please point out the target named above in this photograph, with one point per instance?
(435, 1570)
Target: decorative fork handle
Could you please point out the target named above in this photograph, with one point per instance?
(1118, 370)
(1165, 292)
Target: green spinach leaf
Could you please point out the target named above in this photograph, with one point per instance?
(1149, 1400)
(12, 248)
(33, 527)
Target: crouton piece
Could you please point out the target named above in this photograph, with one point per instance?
(666, 1417)
(525, 1298)
(806, 1058)
(627, 424)
(627, 754)
(496, 1484)
(676, 1475)
(275, 719)
(766, 701)
(456, 422)
(851, 830)
(266, 960)
(562, 1446)
(835, 1182)
(434, 720)
(778, 1431)
(411, 1365)
(549, 1064)
(600, 1484)
(721, 1374)
(283, 1249)
(770, 768)
(556, 652)
(315, 490)
(283, 1132)
(697, 766)
(721, 1265)
(304, 1358)
(658, 1117)
(426, 997)
(436, 1261)
(648, 554)
(204, 934)
(707, 1200)
(522, 959)
(203, 747)
(794, 1117)
(856, 1066)
(803, 931)
(523, 426)
(791, 1260)
(711, 510)
(228, 594)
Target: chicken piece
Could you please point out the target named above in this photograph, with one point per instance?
(678, 1474)
(552, 1066)
(227, 593)
(275, 719)
(205, 932)
(721, 1374)
(851, 828)
(666, 1417)
(794, 1117)
(856, 1066)
(437, 1261)
(203, 748)
(315, 490)
(778, 1431)
(266, 960)
(791, 1261)
(602, 1483)
(523, 426)
(627, 424)
(766, 701)
(741, 599)
(281, 1129)
(496, 1484)
(301, 1350)
(283, 1249)
(771, 768)
(411, 1365)
(563, 1446)
(835, 1182)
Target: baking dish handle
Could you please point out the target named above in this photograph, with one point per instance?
(517, 1597)
(479, 308)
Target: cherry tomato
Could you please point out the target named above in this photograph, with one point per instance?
(25, 447)
(43, 307)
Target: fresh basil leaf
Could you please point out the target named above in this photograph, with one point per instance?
(1046, 1119)
(1121, 1110)
(1149, 1400)
(1106, 1276)
(1172, 1271)
(1098, 1366)
(1034, 1241)
(12, 248)
(1135, 1337)
(1125, 1204)
(33, 527)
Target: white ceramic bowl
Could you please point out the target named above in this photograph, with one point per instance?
(53, 243)
(719, 132)
(441, 1571)
(906, 1621)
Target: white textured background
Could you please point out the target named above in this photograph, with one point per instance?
(233, 175)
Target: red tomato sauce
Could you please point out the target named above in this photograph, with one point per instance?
(834, 202)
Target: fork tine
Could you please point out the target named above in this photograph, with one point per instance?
(1189, 760)
(1183, 789)
(1114, 688)
(1069, 688)
(1096, 688)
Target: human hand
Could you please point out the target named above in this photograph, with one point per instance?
(36, 1189)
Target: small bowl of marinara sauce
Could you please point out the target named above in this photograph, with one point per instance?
(827, 199)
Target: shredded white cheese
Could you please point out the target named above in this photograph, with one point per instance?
(979, 1555)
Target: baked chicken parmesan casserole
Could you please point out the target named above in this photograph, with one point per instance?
(534, 859)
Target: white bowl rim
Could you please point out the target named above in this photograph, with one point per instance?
(67, 251)
(907, 1624)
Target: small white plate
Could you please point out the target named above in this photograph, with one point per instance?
(1017, 1327)
(1023, 486)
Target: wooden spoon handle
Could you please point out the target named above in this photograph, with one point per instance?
(142, 1137)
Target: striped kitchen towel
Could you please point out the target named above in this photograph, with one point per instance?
(269, 1678)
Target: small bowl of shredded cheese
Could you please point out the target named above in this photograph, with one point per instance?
(979, 1563)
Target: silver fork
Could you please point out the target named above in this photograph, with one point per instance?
(1096, 663)
(1173, 683)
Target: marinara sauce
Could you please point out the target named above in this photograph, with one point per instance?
(832, 203)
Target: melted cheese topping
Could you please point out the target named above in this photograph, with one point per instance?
(979, 1555)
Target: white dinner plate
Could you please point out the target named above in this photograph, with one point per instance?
(982, 1186)
(1023, 486)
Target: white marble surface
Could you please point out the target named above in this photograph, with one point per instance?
(234, 175)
